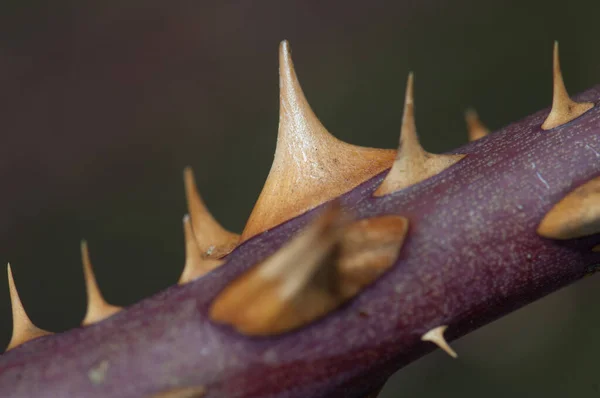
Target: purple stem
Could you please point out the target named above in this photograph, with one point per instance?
(472, 255)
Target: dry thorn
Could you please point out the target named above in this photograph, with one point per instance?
(412, 164)
(97, 308)
(564, 109)
(23, 329)
(576, 215)
(195, 265)
(476, 129)
(436, 336)
(310, 166)
(213, 240)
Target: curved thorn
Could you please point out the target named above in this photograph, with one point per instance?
(564, 109)
(195, 265)
(412, 164)
(97, 308)
(436, 336)
(310, 166)
(23, 329)
(213, 240)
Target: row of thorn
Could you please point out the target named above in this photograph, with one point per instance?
(304, 147)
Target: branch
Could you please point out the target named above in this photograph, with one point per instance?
(345, 272)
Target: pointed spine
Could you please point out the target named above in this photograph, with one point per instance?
(195, 265)
(97, 308)
(564, 109)
(213, 240)
(413, 164)
(23, 329)
(436, 336)
(310, 166)
(475, 128)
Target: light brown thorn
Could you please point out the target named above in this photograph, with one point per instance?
(564, 109)
(310, 166)
(436, 336)
(195, 265)
(97, 308)
(292, 287)
(213, 240)
(412, 164)
(574, 216)
(324, 265)
(23, 329)
(475, 128)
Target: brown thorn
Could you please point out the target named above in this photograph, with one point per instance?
(310, 166)
(412, 164)
(213, 240)
(294, 286)
(475, 128)
(195, 265)
(564, 109)
(574, 216)
(97, 308)
(324, 265)
(436, 336)
(23, 329)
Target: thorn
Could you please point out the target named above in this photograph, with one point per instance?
(412, 164)
(564, 109)
(574, 216)
(436, 336)
(213, 240)
(291, 288)
(475, 128)
(23, 329)
(195, 265)
(310, 166)
(97, 308)
(324, 265)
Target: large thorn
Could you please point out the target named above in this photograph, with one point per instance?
(23, 329)
(294, 286)
(475, 128)
(213, 240)
(436, 336)
(310, 166)
(412, 164)
(97, 308)
(319, 269)
(564, 109)
(195, 265)
(576, 215)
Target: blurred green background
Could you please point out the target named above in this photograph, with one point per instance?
(102, 104)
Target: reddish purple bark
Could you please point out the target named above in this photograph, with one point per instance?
(471, 256)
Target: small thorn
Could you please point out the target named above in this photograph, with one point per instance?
(564, 109)
(195, 265)
(412, 164)
(213, 240)
(436, 336)
(476, 129)
(97, 308)
(23, 329)
(310, 166)
(574, 216)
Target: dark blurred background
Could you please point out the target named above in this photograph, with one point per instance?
(102, 104)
